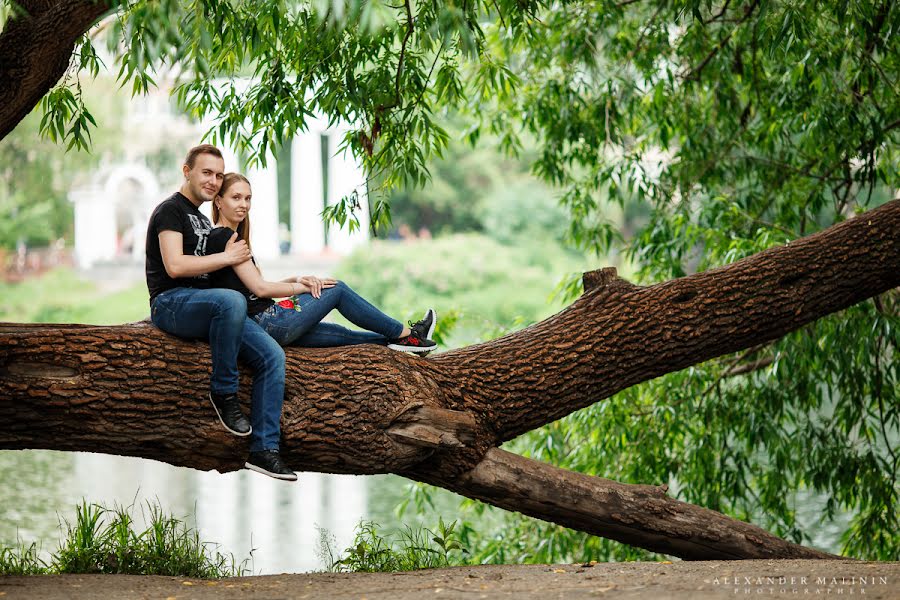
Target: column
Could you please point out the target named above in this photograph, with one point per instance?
(264, 210)
(345, 175)
(307, 231)
(95, 226)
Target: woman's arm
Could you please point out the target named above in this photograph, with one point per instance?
(252, 278)
(313, 284)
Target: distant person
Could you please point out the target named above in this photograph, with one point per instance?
(182, 303)
(284, 239)
(405, 232)
(126, 242)
(57, 252)
(298, 320)
(21, 255)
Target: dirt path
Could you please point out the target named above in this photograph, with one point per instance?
(663, 581)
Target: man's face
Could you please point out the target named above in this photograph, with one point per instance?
(205, 178)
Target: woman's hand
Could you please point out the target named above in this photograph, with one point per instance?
(316, 284)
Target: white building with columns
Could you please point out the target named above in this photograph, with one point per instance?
(112, 210)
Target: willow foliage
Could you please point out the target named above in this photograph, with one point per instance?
(740, 125)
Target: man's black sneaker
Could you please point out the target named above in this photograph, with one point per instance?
(419, 340)
(229, 412)
(268, 462)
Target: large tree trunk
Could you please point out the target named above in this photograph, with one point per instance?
(133, 390)
(36, 46)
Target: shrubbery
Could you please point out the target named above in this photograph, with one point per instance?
(491, 287)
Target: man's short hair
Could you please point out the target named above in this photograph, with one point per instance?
(194, 152)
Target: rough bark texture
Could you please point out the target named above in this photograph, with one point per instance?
(36, 45)
(133, 390)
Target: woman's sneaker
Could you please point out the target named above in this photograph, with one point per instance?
(419, 340)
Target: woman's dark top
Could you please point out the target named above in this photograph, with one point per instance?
(226, 277)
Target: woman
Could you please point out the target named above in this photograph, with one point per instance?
(298, 320)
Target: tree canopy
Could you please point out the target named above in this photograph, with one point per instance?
(739, 125)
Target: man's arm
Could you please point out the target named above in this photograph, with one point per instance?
(184, 265)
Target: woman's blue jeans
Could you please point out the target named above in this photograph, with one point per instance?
(290, 327)
(220, 317)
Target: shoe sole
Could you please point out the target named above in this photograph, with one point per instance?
(222, 421)
(418, 349)
(252, 467)
(411, 349)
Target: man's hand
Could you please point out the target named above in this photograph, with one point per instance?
(236, 250)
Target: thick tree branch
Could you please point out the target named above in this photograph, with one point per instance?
(638, 333)
(35, 50)
(640, 515)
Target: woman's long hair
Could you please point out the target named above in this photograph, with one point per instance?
(243, 228)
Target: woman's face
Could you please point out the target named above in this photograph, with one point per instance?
(234, 204)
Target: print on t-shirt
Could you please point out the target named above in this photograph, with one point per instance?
(201, 230)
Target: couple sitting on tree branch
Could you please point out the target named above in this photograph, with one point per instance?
(205, 284)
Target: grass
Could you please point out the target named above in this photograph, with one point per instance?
(408, 549)
(22, 560)
(103, 540)
(60, 296)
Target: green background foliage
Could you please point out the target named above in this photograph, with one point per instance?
(36, 174)
(716, 129)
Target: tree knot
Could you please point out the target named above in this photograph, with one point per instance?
(600, 278)
(432, 427)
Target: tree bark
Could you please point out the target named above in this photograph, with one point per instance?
(133, 390)
(36, 46)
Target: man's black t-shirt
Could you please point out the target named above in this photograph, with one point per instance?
(227, 278)
(175, 213)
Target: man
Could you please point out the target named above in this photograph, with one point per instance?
(183, 304)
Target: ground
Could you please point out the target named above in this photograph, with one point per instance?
(661, 581)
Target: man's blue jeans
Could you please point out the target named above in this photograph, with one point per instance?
(304, 328)
(220, 317)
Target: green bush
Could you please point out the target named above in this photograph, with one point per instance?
(523, 212)
(489, 287)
